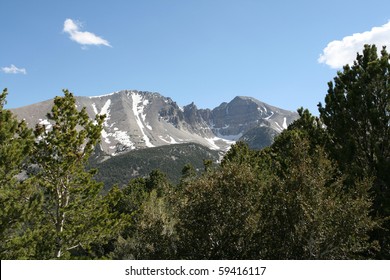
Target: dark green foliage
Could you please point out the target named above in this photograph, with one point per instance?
(287, 202)
(308, 213)
(207, 165)
(17, 197)
(15, 140)
(187, 173)
(312, 127)
(357, 117)
(238, 153)
(216, 217)
(133, 195)
(151, 233)
(158, 181)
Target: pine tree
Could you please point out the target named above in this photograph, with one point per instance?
(151, 202)
(17, 197)
(357, 117)
(239, 153)
(73, 213)
(306, 211)
(188, 173)
(216, 213)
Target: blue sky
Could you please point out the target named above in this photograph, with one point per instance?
(206, 51)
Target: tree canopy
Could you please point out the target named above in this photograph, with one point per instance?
(357, 118)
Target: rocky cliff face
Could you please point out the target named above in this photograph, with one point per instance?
(137, 120)
(235, 118)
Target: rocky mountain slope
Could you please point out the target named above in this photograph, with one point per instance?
(138, 119)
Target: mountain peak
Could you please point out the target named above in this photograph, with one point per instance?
(126, 92)
(241, 97)
(141, 119)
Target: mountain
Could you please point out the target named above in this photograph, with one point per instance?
(145, 131)
(137, 119)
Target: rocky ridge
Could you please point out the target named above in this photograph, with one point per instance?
(139, 119)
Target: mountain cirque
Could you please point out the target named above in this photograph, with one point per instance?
(138, 119)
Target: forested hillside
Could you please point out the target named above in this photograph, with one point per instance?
(170, 159)
(320, 191)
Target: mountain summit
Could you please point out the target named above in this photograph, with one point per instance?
(139, 119)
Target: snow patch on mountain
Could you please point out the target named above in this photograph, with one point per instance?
(105, 110)
(171, 139)
(105, 137)
(94, 108)
(120, 136)
(284, 123)
(123, 138)
(211, 141)
(230, 138)
(214, 146)
(267, 118)
(104, 95)
(278, 127)
(138, 110)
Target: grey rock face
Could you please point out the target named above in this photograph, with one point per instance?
(138, 119)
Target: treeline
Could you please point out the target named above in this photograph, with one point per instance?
(320, 191)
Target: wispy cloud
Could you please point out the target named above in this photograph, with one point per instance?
(13, 70)
(340, 52)
(82, 37)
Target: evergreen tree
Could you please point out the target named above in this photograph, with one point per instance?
(312, 127)
(17, 197)
(216, 213)
(73, 213)
(285, 202)
(188, 173)
(357, 117)
(306, 212)
(151, 234)
(158, 181)
(238, 153)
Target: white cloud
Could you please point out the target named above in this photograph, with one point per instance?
(82, 37)
(340, 52)
(13, 70)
